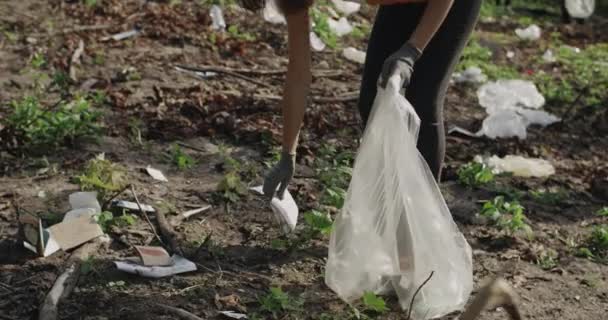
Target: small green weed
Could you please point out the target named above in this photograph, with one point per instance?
(476, 55)
(319, 223)
(91, 3)
(106, 220)
(506, 215)
(321, 28)
(277, 302)
(38, 130)
(373, 303)
(232, 187)
(234, 31)
(103, 176)
(598, 241)
(603, 212)
(475, 174)
(549, 197)
(38, 61)
(179, 158)
(334, 172)
(547, 259)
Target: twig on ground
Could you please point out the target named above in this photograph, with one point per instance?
(6, 287)
(218, 69)
(66, 282)
(76, 60)
(179, 312)
(409, 312)
(185, 215)
(181, 144)
(107, 202)
(347, 97)
(146, 217)
(168, 233)
(85, 28)
(228, 73)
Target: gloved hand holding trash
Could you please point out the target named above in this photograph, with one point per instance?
(395, 228)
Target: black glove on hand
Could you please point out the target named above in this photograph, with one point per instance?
(401, 63)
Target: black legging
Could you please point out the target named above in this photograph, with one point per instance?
(426, 92)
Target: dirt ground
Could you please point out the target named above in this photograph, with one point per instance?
(223, 112)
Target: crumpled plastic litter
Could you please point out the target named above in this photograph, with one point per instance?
(179, 265)
(285, 211)
(470, 75)
(346, 7)
(82, 203)
(580, 9)
(316, 43)
(340, 27)
(217, 18)
(395, 228)
(519, 166)
(530, 33)
(272, 14)
(512, 106)
(548, 56)
(354, 55)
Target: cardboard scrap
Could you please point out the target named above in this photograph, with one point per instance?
(179, 264)
(74, 232)
(153, 256)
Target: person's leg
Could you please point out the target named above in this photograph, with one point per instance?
(392, 27)
(431, 77)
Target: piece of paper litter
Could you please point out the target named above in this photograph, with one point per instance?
(285, 211)
(156, 174)
(74, 232)
(179, 265)
(132, 205)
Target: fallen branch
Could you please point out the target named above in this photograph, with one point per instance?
(168, 233)
(85, 28)
(496, 294)
(183, 216)
(179, 312)
(143, 213)
(409, 312)
(65, 283)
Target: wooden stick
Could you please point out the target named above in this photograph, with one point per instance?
(409, 312)
(347, 97)
(146, 217)
(181, 217)
(76, 60)
(496, 294)
(229, 73)
(65, 283)
(168, 233)
(219, 69)
(179, 312)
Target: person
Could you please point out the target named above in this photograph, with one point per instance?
(419, 40)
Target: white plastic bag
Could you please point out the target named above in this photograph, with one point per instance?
(395, 228)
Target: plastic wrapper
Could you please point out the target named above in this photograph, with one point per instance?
(531, 33)
(580, 9)
(395, 228)
(354, 55)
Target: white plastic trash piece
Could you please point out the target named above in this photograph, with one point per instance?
(272, 14)
(346, 7)
(121, 35)
(510, 54)
(217, 18)
(285, 211)
(316, 43)
(548, 56)
(83, 204)
(156, 174)
(580, 9)
(503, 124)
(354, 55)
(519, 166)
(530, 33)
(573, 49)
(395, 228)
(233, 315)
(503, 94)
(470, 75)
(340, 27)
(132, 205)
(179, 265)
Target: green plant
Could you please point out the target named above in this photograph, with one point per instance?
(505, 215)
(234, 31)
(38, 130)
(475, 174)
(38, 61)
(319, 223)
(603, 212)
(61, 80)
(549, 197)
(103, 176)
(277, 302)
(91, 3)
(584, 252)
(98, 97)
(180, 159)
(592, 280)
(321, 28)
(334, 172)
(106, 220)
(371, 302)
(547, 259)
(232, 187)
(598, 240)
